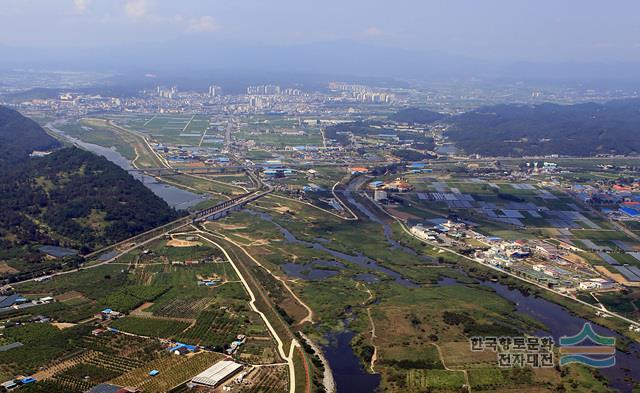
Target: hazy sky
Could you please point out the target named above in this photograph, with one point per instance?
(539, 30)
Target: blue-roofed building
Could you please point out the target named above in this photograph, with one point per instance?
(416, 165)
(629, 211)
(57, 252)
(153, 373)
(376, 184)
(11, 300)
(182, 349)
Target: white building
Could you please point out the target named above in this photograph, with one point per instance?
(380, 195)
(595, 283)
(422, 232)
(217, 374)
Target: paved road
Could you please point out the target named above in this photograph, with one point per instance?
(281, 351)
(406, 230)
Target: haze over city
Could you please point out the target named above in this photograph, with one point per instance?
(331, 36)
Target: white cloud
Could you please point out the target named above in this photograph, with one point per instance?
(203, 24)
(373, 31)
(136, 8)
(80, 6)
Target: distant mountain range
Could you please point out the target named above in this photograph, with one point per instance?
(70, 198)
(526, 130)
(199, 62)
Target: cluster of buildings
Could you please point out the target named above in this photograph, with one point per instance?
(399, 184)
(381, 189)
(16, 301)
(362, 93)
(618, 201)
(554, 265)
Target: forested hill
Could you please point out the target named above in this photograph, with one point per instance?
(71, 198)
(574, 130)
(19, 136)
(416, 116)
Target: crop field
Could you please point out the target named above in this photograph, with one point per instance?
(421, 380)
(167, 128)
(150, 327)
(174, 370)
(42, 344)
(133, 348)
(258, 350)
(311, 137)
(272, 379)
(182, 308)
(162, 251)
(217, 327)
(279, 131)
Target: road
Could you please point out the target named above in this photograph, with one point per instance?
(156, 233)
(280, 344)
(438, 246)
(309, 316)
(252, 304)
(93, 266)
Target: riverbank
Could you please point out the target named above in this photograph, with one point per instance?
(327, 379)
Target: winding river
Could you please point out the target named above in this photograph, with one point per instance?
(174, 196)
(558, 321)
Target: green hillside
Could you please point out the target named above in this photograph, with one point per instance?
(70, 198)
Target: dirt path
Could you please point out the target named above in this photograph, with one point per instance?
(310, 314)
(141, 313)
(444, 364)
(374, 357)
(61, 367)
(252, 296)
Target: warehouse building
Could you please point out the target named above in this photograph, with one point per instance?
(217, 374)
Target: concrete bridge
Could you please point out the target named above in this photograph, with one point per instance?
(188, 170)
(211, 213)
(224, 208)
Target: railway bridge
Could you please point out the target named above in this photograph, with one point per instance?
(211, 213)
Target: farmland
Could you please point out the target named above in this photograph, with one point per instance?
(150, 327)
(175, 371)
(162, 296)
(176, 128)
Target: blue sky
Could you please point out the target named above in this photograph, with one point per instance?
(533, 30)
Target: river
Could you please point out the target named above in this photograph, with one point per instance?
(557, 319)
(174, 196)
(560, 322)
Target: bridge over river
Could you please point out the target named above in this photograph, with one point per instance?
(211, 213)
